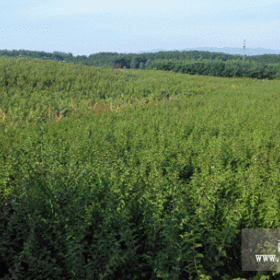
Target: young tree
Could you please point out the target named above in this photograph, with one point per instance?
(133, 63)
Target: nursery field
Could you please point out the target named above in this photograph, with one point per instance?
(133, 174)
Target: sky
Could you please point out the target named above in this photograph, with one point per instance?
(86, 27)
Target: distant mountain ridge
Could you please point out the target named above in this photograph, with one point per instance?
(239, 51)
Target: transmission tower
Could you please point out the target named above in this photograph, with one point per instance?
(244, 51)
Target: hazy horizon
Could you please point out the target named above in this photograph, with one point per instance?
(84, 27)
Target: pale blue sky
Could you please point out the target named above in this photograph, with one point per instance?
(85, 27)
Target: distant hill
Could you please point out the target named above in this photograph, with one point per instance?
(239, 51)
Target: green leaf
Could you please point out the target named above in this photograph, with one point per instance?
(68, 237)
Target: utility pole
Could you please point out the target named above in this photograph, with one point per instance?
(244, 51)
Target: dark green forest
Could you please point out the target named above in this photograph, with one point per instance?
(205, 63)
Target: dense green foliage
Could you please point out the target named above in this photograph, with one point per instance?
(191, 62)
(147, 190)
(218, 68)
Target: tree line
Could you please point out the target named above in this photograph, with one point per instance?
(265, 66)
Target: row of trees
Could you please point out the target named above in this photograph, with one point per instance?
(106, 58)
(219, 68)
(169, 60)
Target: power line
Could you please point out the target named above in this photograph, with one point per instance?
(244, 51)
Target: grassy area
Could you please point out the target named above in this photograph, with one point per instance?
(134, 174)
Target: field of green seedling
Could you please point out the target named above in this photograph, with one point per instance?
(133, 174)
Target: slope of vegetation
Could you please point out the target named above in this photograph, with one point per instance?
(265, 66)
(133, 174)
